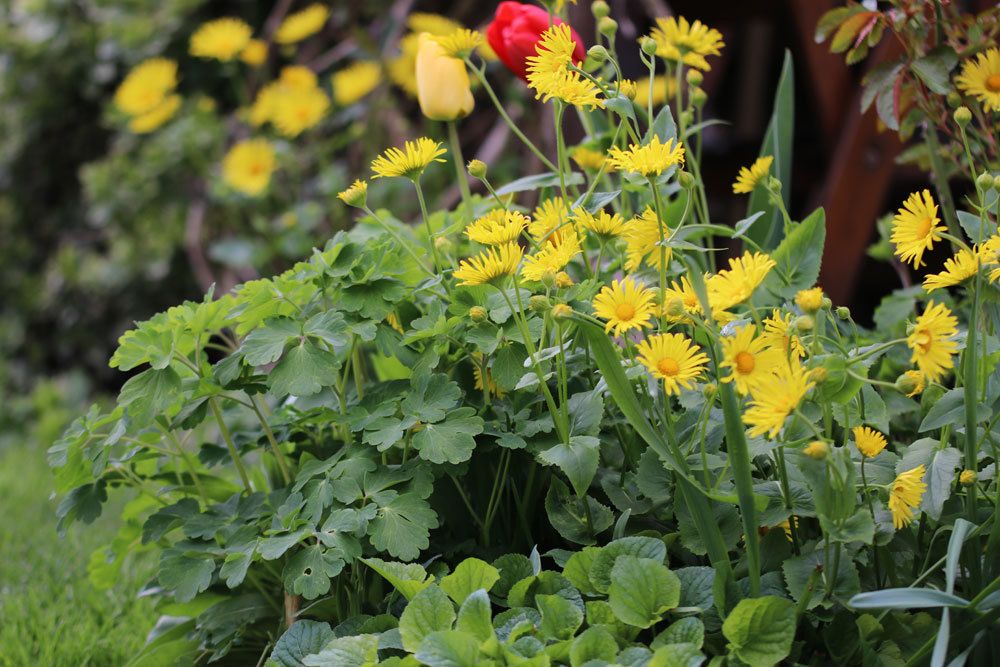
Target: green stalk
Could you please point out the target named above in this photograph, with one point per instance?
(279, 456)
(463, 180)
(214, 405)
(739, 457)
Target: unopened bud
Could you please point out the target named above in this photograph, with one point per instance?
(549, 279)
(478, 314)
(600, 9)
(477, 169)
(698, 97)
(561, 311)
(443, 243)
(675, 307)
(597, 53)
(648, 45)
(773, 184)
(843, 312)
(817, 449)
(695, 77)
(687, 117)
(910, 383)
(827, 304)
(967, 478)
(953, 99)
(996, 182)
(962, 116)
(708, 391)
(819, 374)
(686, 179)
(607, 26)
(805, 323)
(539, 303)
(984, 181)
(563, 279)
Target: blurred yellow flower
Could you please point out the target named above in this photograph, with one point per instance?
(484, 379)
(460, 43)
(931, 341)
(298, 110)
(254, 53)
(672, 358)
(551, 258)
(603, 224)
(489, 266)
(664, 88)
(221, 39)
(302, 24)
(752, 176)
(588, 159)
(550, 221)
(650, 159)
(248, 166)
(151, 120)
(146, 86)
(809, 300)
(409, 162)
(915, 227)
(354, 82)
(293, 80)
(980, 78)
(442, 82)
(356, 195)
(680, 41)
(402, 69)
(905, 494)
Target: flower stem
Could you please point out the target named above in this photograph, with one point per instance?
(463, 179)
(214, 405)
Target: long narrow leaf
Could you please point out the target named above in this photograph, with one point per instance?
(906, 598)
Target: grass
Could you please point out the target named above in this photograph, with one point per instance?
(50, 613)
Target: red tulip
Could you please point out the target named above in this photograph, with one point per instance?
(515, 31)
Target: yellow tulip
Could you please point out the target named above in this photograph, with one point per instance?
(442, 82)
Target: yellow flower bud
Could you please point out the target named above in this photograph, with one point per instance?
(477, 314)
(563, 280)
(561, 311)
(809, 300)
(694, 77)
(967, 478)
(963, 116)
(477, 169)
(442, 82)
(817, 449)
(539, 303)
(804, 323)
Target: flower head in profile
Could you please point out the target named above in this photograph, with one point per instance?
(775, 397)
(905, 494)
(146, 86)
(356, 195)
(355, 81)
(681, 301)
(748, 358)
(777, 336)
(957, 270)
(254, 53)
(931, 341)
(625, 305)
(552, 257)
(498, 227)
(680, 41)
(868, 441)
(752, 176)
(550, 75)
(642, 241)
(303, 23)
(605, 225)
(733, 286)
(650, 159)
(915, 227)
(674, 359)
(151, 120)
(460, 43)
(483, 377)
(490, 266)
(980, 78)
(222, 39)
(298, 110)
(912, 383)
(248, 166)
(410, 161)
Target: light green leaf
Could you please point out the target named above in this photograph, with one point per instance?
(407, 578)
(185, 575)
(594, 643)
(302, 639)
(676, 655)
(641, 590)
(578, 459)
(149, 394)
(429, 611)
(451, 441)
(469, 576)
(934, 69)
(475, 617)
(431, 396)
(858, 527)
(688, 630)
(760, 630)
(949, 409)
(560, 617)
(939, 478)
(265, 344)
(578, 569)
(568, 514)
(449, 648)
(304, 370)
(636, 545)
(798, 256)
(351, 651)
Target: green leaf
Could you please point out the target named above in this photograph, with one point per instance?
(638, 546)
(309, 571)
(302, 639)
(977, 229)
(185, 575)
(451, 441)
(304, 370)
(797, 258)
(760, 630)
(429, 611)
(402, 526)
(641, 590)
(149, 394)
(449, 648)
(407, 578)
(475, 617)
(688, 630)
(469, 576)
(549, 179)
(663, 127)
(798, 569)
(508, 366)
(578, 459)
(934, 69)
(594, 643)
(949, 409)
(906, 598)
(585, 412)
(939, 478)
(513, 568)
(265, 344)
(568, 514)
(352, 651)
(560, 617)
(577, 569)
(431, 396)
(676, 655)
(859, 527)
(777, 143)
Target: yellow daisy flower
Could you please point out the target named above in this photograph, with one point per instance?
(868, 441)
(490, 265)
(298, 110)
(603, 224)
(549, 73)
(786, 526)
(737, 284)
(817, 449)
(356, 195)
(642, 241)
(748, 359)
(913, 383)
(460, 43)
(915, 227)
(498, 227)
(293, 79)
(957, 270)
(354, 82)
(627, 87)
(588, 159)
(302, 24)
(930, 341)
(651, 159)
(776, 334)
(967, 477)
(775, 397)
(551, 258)
(752, 176)
(905, 494)
(674, 359)
(480, 376)
(146, 86)
(248, 166)
(990, 256)
(690, 43)
(809, 300)
(435, 24)
(222, 39)
(981, 78)
(151, 120)
(625, 304)
(664, 88)
(550, 221)
(254, 53)
(683, 295)
(409, 162)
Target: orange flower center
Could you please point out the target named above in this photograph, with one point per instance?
(923, 341)
(625, 312)
(924, 227)
(744, 363)
(668, 366)
(993, 83)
